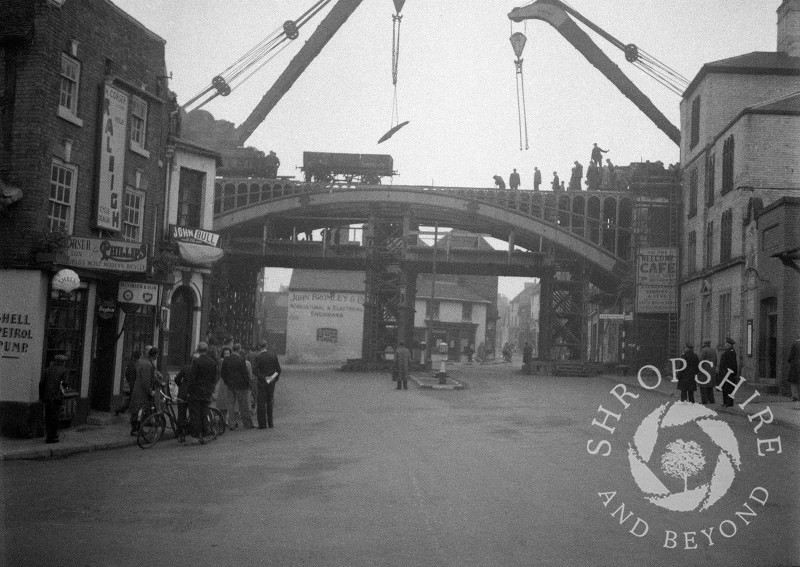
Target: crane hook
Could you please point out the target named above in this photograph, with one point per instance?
(290, 29)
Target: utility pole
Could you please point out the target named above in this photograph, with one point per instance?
(429, 346)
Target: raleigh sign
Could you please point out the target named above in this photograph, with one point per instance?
(112, 158)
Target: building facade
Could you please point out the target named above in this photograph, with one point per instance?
(740, 119)
(524, 317)
(83, 131)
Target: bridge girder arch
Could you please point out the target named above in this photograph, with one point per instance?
(505, 215)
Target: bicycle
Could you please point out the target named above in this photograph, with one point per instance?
(153, 426)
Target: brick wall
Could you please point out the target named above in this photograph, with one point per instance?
(110, 45)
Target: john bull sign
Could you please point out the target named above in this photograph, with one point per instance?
(656, 279)
(105, 254)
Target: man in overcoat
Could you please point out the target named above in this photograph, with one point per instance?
(144, 385)
(267, 369)
(402, 360)
(51, 395)
(728, 363)
(237, 379)
(203, 378)
(686, 377)
(707, 391)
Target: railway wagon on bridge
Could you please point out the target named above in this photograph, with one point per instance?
(331, 167)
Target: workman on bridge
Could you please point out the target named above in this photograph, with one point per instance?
(556, 184)
(537, 178)
(499, 183)
(272, 163)
(597, 155)
(513, 180)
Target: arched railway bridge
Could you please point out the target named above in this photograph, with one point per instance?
(567, 239)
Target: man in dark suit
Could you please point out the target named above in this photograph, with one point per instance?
(728, 363)
(267, 370)
(51, 395)
(202, 379)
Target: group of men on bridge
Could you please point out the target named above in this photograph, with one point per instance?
(598, 176)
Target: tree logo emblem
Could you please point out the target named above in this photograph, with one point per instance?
(683, 459)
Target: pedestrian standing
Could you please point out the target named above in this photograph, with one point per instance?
(268, 370)
(402, 361)
(130, 380)
(707, 391)
(182, 380)
(200, 389)
(51, 393)
(556, 183)
(220, 398)
(527, 354)
(513, 180)
(143, 387)
(728, 365)
(597, 155)
(794, 368)
(687, 383)
(237, 380)
(537, 178)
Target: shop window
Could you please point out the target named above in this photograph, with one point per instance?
(138, 123)
(432, 310)
(132, 215)
(70, 84)
(327, 335)
(466, 311)
(768, 339)
(61, 207)
(66, 323)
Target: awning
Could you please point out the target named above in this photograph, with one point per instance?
(199, 254)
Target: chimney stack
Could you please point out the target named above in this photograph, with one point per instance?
(789, 27)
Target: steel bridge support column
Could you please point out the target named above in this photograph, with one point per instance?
(232, 289)
(546, 314)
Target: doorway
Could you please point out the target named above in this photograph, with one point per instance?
(105, 340)
(180, 326)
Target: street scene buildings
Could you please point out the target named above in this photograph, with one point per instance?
(140, 233)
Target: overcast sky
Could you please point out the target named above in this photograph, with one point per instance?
(456, 81)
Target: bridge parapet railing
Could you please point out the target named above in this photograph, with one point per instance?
(604, 218)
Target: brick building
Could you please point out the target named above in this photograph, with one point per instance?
(740, 148)
(83, 131)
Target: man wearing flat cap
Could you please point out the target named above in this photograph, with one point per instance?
(728, 364)
(51, 394)
(200, 388)
(686, 377)
(708, 353)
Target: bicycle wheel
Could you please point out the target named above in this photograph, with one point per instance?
(151, 430)
(216, 421)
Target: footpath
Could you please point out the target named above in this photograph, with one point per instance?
(107, 431)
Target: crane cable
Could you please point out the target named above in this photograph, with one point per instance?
(254, 58)
(396, 20)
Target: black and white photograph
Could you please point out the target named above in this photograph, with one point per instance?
(389, 283)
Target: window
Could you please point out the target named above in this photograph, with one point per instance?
(689, 321)
(132, 215)
(726, 236)
(432, 309)
(695, 127)
(61, 208)
(70, 81)
(466, 311)
(727, 165)
(327, 335)
(693, 193)
(692, 253)
(711, 164)
(190, 198)
(138, 122)
(724, 315)
(708, 254)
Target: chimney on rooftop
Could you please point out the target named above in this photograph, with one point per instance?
(789, 27)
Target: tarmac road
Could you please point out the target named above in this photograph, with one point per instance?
(356, 473)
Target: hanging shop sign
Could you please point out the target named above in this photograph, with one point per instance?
(139, 293)
(656, 280)
(105, 254)
(66, 280)
(193, 235)
(106, 309)
(113, 132)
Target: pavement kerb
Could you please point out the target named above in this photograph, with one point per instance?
(777, 420)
